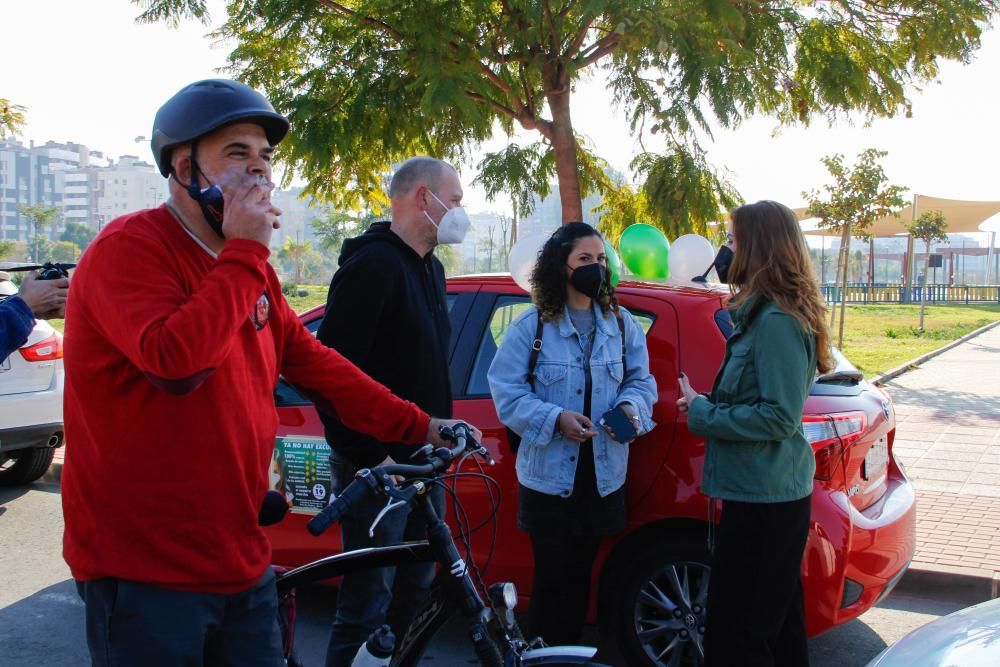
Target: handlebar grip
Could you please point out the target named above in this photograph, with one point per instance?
(340, 505)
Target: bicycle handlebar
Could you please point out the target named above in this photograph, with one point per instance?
(374, 480)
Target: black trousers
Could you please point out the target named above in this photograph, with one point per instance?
(130, 623)
(561, 592)
(755, 610)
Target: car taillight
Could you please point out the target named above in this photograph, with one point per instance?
(829, 435)
(49, 349)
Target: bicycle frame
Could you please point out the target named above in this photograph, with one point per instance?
(453, 592)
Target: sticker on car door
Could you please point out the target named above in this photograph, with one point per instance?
(300, 470)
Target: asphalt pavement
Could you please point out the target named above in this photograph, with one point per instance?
(42, 622)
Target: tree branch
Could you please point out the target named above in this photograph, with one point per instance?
(553, 41)
(577, 41)
(596, 51)
(346, 11)
(505, 110)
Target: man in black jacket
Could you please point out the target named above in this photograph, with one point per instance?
(387, 312)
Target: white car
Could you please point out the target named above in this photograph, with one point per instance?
(31, 402)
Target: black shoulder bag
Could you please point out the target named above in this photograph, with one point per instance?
(513, 439)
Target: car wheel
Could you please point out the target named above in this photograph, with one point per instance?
(660, 607)
(24, 466)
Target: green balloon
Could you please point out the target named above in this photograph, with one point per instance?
(614, 264)
(645, 250)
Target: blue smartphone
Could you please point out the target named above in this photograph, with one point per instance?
(619, 422)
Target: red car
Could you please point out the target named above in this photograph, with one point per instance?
(651, 579)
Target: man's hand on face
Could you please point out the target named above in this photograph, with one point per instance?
(46, 298)
(249, 213)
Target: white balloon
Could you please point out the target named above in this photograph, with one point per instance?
(523, 257)
(690, 256)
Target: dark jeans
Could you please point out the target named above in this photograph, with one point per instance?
(560, 595)
(129, 623)
(755, 609)
(392, 595)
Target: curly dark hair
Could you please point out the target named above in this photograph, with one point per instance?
(549, 279)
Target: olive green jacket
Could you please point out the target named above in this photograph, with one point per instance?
(752, 420)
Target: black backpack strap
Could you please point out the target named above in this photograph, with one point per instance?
(536, 347)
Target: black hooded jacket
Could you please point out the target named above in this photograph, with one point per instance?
(387, 312)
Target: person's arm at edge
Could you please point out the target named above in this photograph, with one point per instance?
(16, 323)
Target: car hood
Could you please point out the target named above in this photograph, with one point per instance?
(969, 638)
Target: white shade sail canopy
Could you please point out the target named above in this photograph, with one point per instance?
(961, 215)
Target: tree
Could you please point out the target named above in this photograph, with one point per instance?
(11, 118)
(335, 227)
(367, 84)
(39, 216)
(930, 226)
(64, 251)
(79, 234)
(449, 258)
(7, 249)
(858, 196)
(295, 253)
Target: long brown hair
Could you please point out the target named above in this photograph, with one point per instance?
(771, 260)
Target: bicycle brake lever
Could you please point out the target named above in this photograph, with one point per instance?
(391, 505)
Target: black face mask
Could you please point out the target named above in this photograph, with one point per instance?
(722, 261)
(589, 279)
(210, 200)
(721, 264)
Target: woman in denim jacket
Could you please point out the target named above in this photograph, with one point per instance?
(571, 473)
(757, 460)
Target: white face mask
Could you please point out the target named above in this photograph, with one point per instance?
(454, 223)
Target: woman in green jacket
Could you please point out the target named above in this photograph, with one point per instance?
(757, 460)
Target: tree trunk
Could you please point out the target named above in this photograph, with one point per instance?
(923, 289)
(846, 243)
(564, 145)
(840, 268)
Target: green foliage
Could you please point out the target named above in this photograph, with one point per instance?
(683, 194)
(64, 251)
(39, 217)
(7, 249)
(367, 83)
(449, 258)
(520, 172)
(336, 227)
(858, 196)
(79, 234)
(11, 118)
(929, 227)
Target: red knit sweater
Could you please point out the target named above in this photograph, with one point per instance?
(172, 356)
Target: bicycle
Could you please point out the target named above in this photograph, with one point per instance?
(493, 630)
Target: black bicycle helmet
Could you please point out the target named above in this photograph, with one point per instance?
(205, 106)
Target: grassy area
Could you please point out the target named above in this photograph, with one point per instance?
(878, 338)
(316, 297)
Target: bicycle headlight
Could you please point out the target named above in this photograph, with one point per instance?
(503, 594)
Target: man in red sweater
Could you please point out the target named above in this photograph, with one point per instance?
(176, 333)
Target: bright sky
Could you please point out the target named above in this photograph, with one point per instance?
(88, 73)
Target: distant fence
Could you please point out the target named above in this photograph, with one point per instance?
(883, 293)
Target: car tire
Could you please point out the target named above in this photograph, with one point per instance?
(659, 609)
(24, 466)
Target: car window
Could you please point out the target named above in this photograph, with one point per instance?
(285, 394)
(505, 311)
(725, 322)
